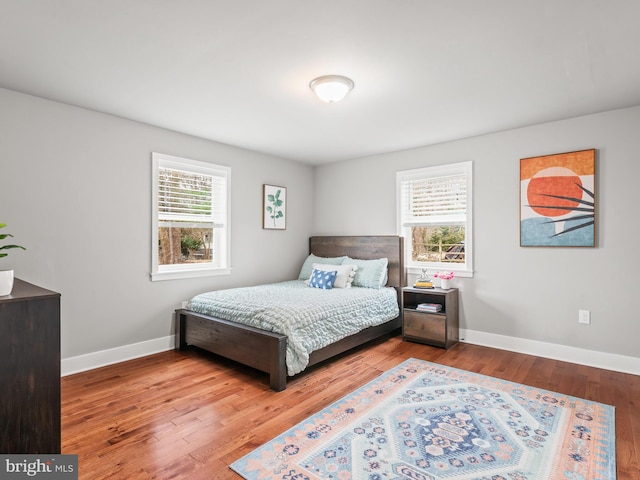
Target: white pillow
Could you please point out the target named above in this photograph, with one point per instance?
(371, 273)
(305, 271)
(345, 276)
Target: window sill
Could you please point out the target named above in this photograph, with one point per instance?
(180, 274)
(458, 273)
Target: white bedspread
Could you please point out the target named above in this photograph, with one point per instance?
(311, 318)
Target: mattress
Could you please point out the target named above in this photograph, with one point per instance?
(311, 318)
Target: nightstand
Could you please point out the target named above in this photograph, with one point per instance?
(437, 328)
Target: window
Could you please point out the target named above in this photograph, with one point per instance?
(435, 217)
(190, 224)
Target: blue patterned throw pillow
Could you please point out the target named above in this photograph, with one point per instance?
(324, 280)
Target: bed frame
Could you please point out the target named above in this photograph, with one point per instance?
(265, 351)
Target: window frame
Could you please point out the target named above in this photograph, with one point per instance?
(413, 267)
(222, 241)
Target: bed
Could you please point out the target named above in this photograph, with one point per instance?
(266, 350)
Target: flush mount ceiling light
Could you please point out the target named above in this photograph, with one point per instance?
(331, 88)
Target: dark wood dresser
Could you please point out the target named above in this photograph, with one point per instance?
(30, 370)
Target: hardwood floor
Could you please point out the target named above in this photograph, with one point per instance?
(188, 415)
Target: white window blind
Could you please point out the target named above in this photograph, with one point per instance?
(438, 200)
(194, 198)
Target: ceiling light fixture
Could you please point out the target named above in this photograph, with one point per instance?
(331, 88)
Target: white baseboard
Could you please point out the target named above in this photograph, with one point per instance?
(93, 360)
(591, 358)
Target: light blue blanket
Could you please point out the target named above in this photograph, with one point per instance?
(311, 318)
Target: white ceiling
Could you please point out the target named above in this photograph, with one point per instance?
(237, 71)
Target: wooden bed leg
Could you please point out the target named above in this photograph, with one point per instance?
(181, 321)
(278, 367)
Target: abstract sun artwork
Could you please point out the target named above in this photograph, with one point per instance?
(557, 200)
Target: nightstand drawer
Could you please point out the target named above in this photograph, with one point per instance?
(425, 325)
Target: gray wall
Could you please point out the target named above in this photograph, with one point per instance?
(530, 293)
(75, 189)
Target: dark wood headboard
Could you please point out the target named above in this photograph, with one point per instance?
(365, 248)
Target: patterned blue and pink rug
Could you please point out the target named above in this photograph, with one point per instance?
(423, 421)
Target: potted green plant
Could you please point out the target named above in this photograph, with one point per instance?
(6, 276)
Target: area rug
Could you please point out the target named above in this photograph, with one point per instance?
(423, 421)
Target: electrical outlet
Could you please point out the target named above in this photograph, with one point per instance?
(584, 317)
(184, 303)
